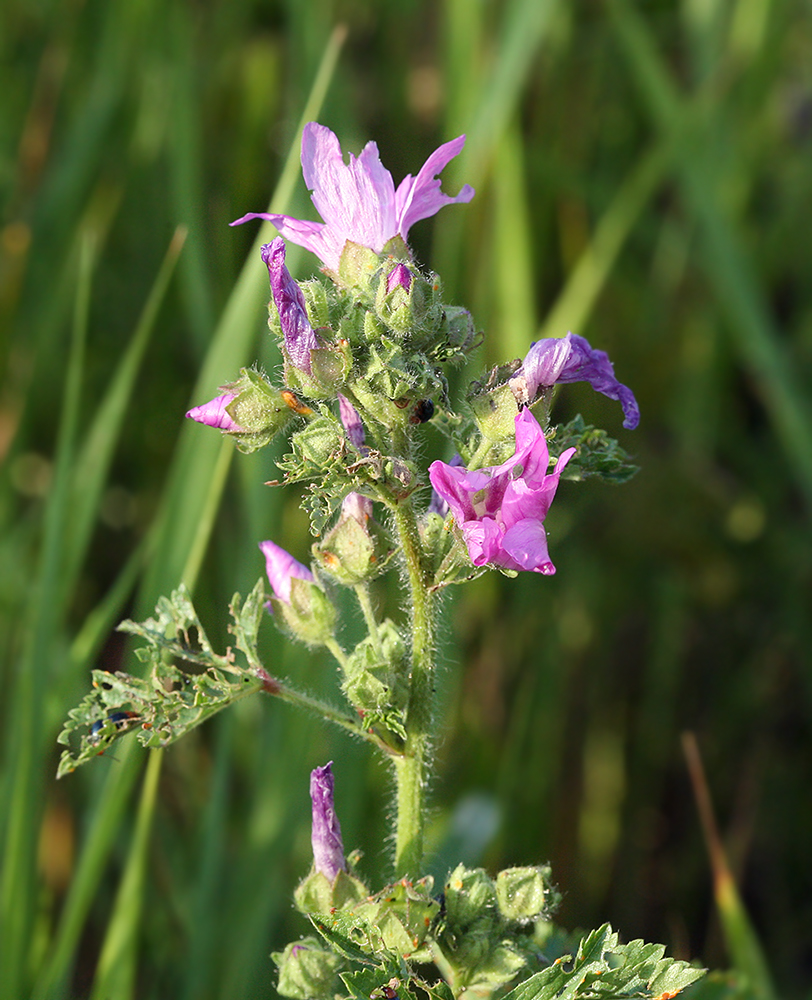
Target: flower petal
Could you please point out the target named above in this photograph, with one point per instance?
(281, 568)
(351, 420)
(554, 360)
(357, 201)
(300, 337)
(214, 413)
(421, 197)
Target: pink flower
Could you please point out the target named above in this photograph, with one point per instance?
(358, 201)
(214, 413)
(572, 359)
(501, 509)
(300, 337)
(281, 568)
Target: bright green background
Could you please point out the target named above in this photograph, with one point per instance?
(644, 178)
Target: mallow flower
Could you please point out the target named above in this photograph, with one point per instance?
(501, 509)
(300, 337)
(555, 360)
(214, 413)
(281, 568)
(328, 847)
(358, 201)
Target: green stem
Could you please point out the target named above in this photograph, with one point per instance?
(334, 715)
(410, 768)
(338, 653)
(365, 600)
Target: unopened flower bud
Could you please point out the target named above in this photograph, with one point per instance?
(299, 336)
(302, 605)
(252, 411)
(328, 847)
(215, 414)
(522, 893)
(356, 548)
(399, 276)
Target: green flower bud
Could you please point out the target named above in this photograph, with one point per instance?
(522, 892)
(357, 268)
(402, 913)
(309, 616)
(307, 970)
(319, 441)
(329, 367)
(251, 410)
(470, 897)
(494, 406)
(316, 894)
(356, 548)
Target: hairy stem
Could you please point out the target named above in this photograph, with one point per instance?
(365, 600)
(411, 767)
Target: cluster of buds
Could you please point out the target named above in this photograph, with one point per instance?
(475, 924)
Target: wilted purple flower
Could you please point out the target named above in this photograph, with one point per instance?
(358, 202)
(571, 359)
(399, 275)
(501, 509)
(281, 568)
(300, 337)
(214, 413)
(328, 848)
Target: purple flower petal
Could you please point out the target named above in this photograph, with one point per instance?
(214, 413)
(501, 509)
(328, 848)
(281, 568)
(571, 359)
(399, 275)
(357, 200)
(300, 337)
(351, 420)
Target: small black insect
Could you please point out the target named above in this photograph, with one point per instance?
(422, 412)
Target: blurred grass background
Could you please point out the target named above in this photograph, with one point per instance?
(644, 178)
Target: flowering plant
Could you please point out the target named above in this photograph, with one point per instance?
(365, 353)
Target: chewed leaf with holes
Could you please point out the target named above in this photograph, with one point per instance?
(603, 968)
(187, 682)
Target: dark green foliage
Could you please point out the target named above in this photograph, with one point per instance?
(597, 455)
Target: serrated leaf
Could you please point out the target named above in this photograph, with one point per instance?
(352, 937)
(187, 681)
(597, 453)
(604, 968)
(247, 618)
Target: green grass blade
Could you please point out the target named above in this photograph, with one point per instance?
(93, 461)
(744, 947)
(487, 103)
(25, 749)
(511, 250)
(115, 973)
(574, 305)
(730, 271)
(191, 493)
